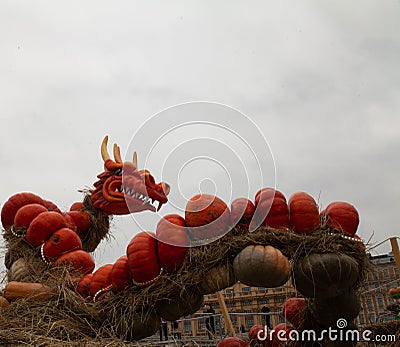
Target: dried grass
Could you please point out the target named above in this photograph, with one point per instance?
(68, 318)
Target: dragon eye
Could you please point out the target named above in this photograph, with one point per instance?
(118, 172)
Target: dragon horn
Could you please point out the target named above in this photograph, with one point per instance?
(134, 160)
(104, 152)
(117, 154)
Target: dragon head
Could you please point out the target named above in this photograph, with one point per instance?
(123, 189)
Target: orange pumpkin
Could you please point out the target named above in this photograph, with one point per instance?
(266, 194)
(242, 212)
(83, 285)
(272, 209)
(18, 290)
(62, 241)
(232, 342)
(81, 220)
(280, 334)
(43, 226)
(142, 258)
(14, 203)
(25, 215)
(207, 217)
(293, 310)
(101, 279)
(51, 206)
(172, 241)
(121, 277)
(79, 260)
(76, 206)
(342, 216)
(3, 302)
(259, 336)
(304, 213)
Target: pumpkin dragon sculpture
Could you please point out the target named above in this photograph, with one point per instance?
(165, 274)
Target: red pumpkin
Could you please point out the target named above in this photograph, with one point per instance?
(83, 285)
(242, 211)
(79, 260)
(81, 220)
(142, 258)
(76, 206)
(62, 241)
(272, 209)
(259, 335)
(51, 206)
(304, 213)
(172, 241)
(25, 215)
(266, 194)
(121, 277)
(281, 335)
(101, 279)
(342, 216)
(43, 226)
(14, 203)
(232, 342)
(293, 310)
(207, 216)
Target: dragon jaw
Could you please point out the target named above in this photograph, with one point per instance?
(122, 189)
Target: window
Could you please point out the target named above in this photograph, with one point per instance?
(229, 291)
(361, 318)
(381, 304)
(385, 273)
(246, 290)
(371, 317)
(263, 301)
(369, 304)
(261, 289)
(246, 303)
(281, 299)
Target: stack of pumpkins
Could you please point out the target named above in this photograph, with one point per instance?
(55, 235)
(207, 218)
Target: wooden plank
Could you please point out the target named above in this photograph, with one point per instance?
(225, 314)
(396, 252)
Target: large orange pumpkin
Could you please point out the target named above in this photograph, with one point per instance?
(342, 216)
(83, 285)
(172, 241)
(207, 217)
(25, 215)
(272, 209)
(43, 226)
(304, 213)
(62, 241)
(121, 277)
(79, 260)
(101, 279)
(142, 258)
(242, 211)
(14, 203)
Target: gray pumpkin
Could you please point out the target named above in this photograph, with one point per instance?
(187, 303)
(218, 278)
(324, 275)
(261, 266)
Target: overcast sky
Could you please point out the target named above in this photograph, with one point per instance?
(317, 81)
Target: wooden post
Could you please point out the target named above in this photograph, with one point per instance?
(225, 315)
(396, 252)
